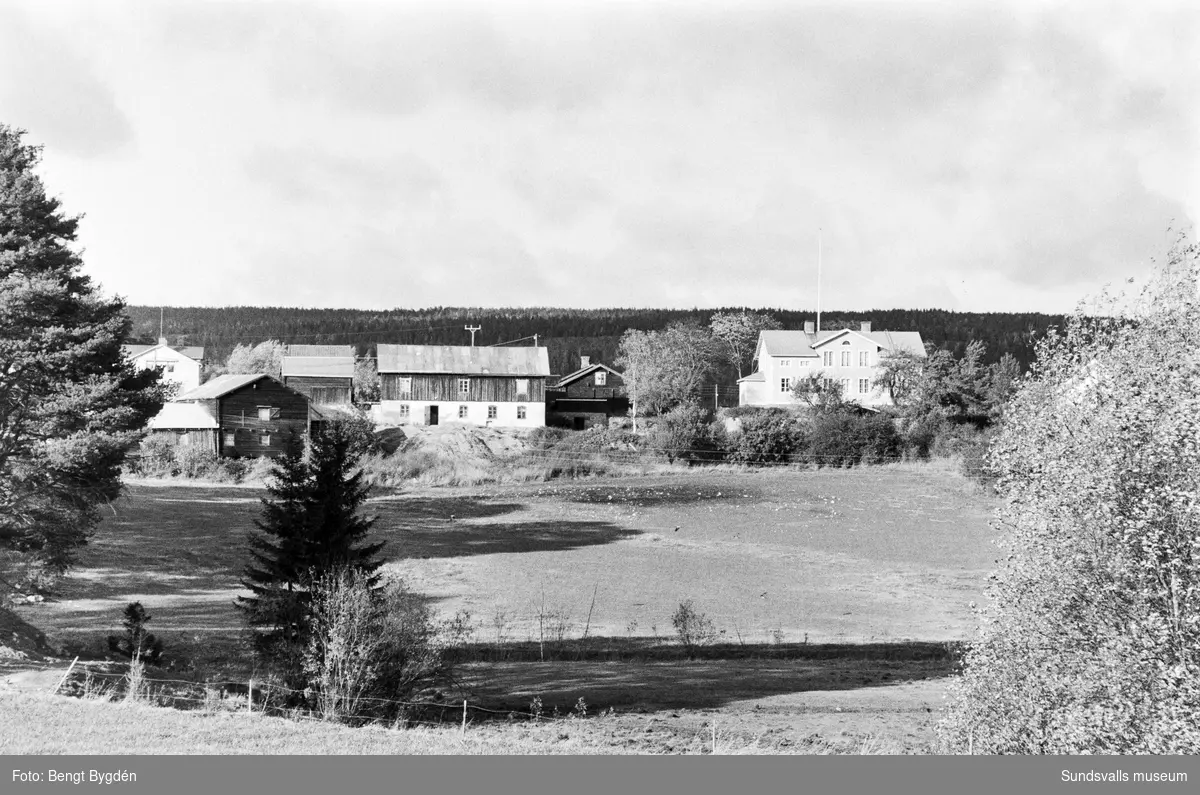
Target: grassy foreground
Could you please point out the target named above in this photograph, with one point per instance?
(42, 724)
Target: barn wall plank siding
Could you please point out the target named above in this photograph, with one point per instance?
(240, 416)
(481, 388)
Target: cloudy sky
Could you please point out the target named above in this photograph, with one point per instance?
(972, 156)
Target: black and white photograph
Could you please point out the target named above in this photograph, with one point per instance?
(596, 378)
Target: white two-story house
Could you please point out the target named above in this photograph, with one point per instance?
(847, 356)
(182, 365)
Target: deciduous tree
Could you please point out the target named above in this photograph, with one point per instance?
(1091, 640)
(737, 333)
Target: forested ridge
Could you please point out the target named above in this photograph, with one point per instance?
(568, 333)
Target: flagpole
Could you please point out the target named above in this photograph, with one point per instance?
(818, 280)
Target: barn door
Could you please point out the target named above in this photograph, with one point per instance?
(431, 415)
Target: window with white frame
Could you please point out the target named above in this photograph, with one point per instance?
(522, 388)
(267, 413)
(492, 412)
(845, 358)
(864, 386)
(404, 386)
(864, 358)
(464, 386)
(828, 359)
(784, 384)
(520, 412)
(845, 385)
(803, 363)
(265, 439)
(404, 410)
(785, 362)
(601, 378)
(230, 438)
(462, 412)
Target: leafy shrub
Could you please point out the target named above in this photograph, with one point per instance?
(356, 426)
(1088, 644)
(685, 433)
(370, 647)
(156, 456)
(844, 438)
(137, 644)
(767, 437)
(196, 462)
(695, 629)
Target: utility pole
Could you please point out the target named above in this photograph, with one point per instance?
(535, 336)
(160, 322)
(472, 329)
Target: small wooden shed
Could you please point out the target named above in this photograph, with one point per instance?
(325, 373)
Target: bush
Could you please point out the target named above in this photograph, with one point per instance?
(767, 437)
(1089, 641)
(685, 433)
(370, 647)
(137, 644)
(356, 426)
(843, 438)
(156, 456)
(197, 462)
(694, 629)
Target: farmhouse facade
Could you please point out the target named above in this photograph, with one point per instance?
(325, 373)
(181, 365)
(436, 384)
(586, 398)
(848, 357)
(238, 416)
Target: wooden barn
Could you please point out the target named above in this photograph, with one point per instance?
(436, 384)
(325, 373)
(588, 397)
(238, 416)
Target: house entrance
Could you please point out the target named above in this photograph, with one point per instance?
(580, 423)
(431, 415)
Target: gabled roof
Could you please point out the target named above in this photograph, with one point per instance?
(222, 385)
(182, 416)
(801, 343)
(584, 372)
(908, 341)
(192, 351)
(326, 366)
(463, 360)
(754, 377)
(320, 350)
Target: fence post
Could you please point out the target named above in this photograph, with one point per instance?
(464, 722)
(250, 696)
(62, 681)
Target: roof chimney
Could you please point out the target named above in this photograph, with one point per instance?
(162, 340)
(585, 361)
(810, 327)
(866, 327)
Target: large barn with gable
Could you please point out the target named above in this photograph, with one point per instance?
(485, 386)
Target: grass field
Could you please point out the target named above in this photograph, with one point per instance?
(798, 568)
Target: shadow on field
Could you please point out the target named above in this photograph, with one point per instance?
(636, 675)
(461, 539)
(650, 495)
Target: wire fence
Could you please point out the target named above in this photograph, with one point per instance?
(266, 696)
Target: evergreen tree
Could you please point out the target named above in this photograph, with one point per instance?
(71, 405)
(310, 526)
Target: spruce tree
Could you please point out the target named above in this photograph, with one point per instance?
(311, 525)
(71, 405)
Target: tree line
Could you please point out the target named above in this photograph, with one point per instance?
(568, 333)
